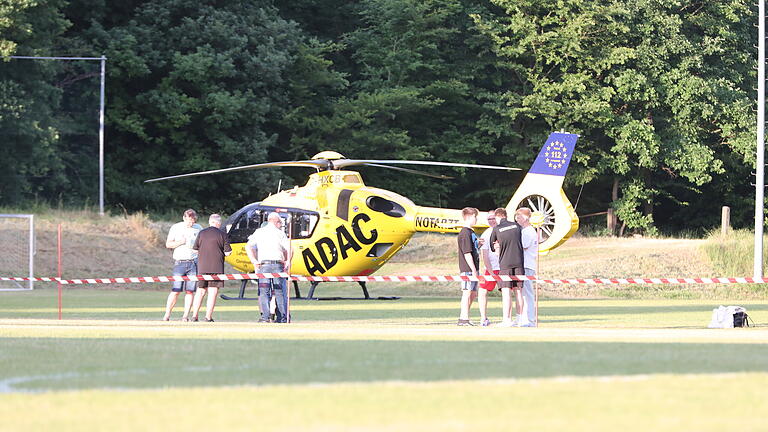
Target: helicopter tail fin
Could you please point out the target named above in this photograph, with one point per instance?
(542, 192)
(555, 156)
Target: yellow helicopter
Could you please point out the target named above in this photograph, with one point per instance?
(339, 226)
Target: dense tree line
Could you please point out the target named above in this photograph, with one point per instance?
(661, 92)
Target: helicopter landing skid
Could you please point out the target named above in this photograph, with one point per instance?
(241, 296)
(311, 296)
(314, 284)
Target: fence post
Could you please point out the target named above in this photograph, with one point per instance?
(611, 219)
(725, 220)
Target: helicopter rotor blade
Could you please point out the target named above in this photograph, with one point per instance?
(319, 164)
(351, 162)
(411, 171)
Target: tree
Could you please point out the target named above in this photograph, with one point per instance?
(416, 72)
(193, 87)
(657, 89)
(28, 99)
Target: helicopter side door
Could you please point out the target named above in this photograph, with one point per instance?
(297, 223)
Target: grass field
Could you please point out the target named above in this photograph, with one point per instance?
(386, 365)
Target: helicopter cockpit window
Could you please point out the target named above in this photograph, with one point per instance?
(301, 223)
(245, 225)
(383, 205)
(352, 178)
(304, 224)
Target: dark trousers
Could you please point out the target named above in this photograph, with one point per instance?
(276, 287)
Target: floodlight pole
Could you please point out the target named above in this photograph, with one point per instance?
(760, 160)
(101, 137)
(103, 61)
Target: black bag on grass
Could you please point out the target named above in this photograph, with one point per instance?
(740, 319)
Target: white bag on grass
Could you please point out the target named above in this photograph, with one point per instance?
(722, 317)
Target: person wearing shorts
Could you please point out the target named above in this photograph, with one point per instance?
(212, 245)
(469, 262)
(506, 238)
(181, 238)
(491, 263)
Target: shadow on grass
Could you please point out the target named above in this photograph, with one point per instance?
(664, 316)
(149, 306)
(50, 363)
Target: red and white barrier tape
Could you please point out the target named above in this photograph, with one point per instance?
(481, 278)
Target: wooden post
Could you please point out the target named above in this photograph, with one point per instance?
(58, 267)
(611, 219)
(725, 220)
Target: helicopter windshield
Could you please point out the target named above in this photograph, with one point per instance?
(297, 223)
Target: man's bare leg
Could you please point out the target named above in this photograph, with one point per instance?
(466, 301)
(211, 302)
(169, 304)
(506, 306)
(188, 299)
(522, 318)
(197, 302)
(519, 305)
(482, 303)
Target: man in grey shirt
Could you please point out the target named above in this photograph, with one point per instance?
(212, 245)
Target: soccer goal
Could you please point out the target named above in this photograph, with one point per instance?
(17, 256)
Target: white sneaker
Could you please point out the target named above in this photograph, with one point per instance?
(506, 324)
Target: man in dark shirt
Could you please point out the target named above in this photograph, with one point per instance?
(507, 240)
(212, 245)
(469, 260)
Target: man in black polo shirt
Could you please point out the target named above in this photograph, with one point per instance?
(212, 245)
(469, 260)
(507, 240)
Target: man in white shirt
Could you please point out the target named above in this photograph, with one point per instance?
(490, 260)
(269, 250)
(530, 242)
(181, 238)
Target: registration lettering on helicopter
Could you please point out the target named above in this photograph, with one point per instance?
(338, 179)
(330, 179)
(433, 222)
(328, 248)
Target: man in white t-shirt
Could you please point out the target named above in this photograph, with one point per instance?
(490, 259)
(181, 238)
(269, 250)
(530, 242)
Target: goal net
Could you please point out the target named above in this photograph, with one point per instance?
(17, 250)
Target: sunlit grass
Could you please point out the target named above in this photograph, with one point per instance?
(658, 403)
(733, 254)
